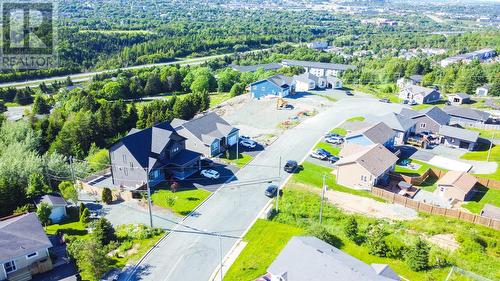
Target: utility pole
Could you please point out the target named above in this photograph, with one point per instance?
(72, 170)
(322, 200)
(149, 199)
(491, 146)
(279, 167)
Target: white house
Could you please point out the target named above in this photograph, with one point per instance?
(317, 45)
(419, 94)
(320, 69)
(307, 81)
(483, 90)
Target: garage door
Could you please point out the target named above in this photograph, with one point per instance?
(232, 140)
(464, 145)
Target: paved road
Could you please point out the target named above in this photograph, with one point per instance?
(80, 77)
(189, 254)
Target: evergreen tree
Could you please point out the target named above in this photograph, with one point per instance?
(43, 213)
(107, 196)
(40, 105)
(417, 257)
(36, 186)
(351, 229)
(103, 231)
(375, 241)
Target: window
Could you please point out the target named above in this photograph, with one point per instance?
(9, 266)
(175, 149)
(422, 125)
(124, 157)
(32, 255)
(125, 171)
(363, 178)
(452, 140)
(132, 166)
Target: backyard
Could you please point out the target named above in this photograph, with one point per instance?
(299, 215)
(181, 202)
(483, 196)
(482, 155)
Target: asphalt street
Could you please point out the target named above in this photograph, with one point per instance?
(190, 252)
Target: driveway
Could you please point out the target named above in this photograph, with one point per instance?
(339, 94)
(131, 212)
(190, 252)
(227, 173)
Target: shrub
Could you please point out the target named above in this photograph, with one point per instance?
(351, 229)
(171, 201)
(22, 209)
(322, 233)
(107, 197)
(395, 247)
(85, 217)
(43, 212)
(82, 207)
(417, 257)
(439, 258)
(375, 241)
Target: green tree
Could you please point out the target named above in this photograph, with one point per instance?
(85, 217)
(81, 209)
(68, 191)
(113, 90)
(417, 257)
(226, 79)
(3, 108)
(98, 159)
(40, 105)
(495, 87)
(37, 186)
(375, 241)
(351, 228)
(153, 84)
(237, 89)
(43, 213)
(91, 257)
(104, 232)
(107, 196)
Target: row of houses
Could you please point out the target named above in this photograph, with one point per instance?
(169, 150)
(413, 84)
(483, 54)
(368, 155)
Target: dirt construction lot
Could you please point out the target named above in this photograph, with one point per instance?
(257, 118)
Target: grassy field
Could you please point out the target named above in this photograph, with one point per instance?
(182, 202)
(265, 241)
(482, 197)
(218, 98)
(377, 91)
(328, 147)
(422, 169)
(299, 212)
(439, 104)
(482, 155)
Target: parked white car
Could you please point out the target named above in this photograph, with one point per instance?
(334, 140)
(248, 143)
(211, 174)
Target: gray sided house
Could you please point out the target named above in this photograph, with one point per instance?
(153, 154)
(403, 126)
(458, 137)
(427, 120)
(466, 116)
(209, 134)
(309, 258)
(420, 95)
(24, 248)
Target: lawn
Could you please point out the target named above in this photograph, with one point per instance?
(328, 147)
(439, 104)
(71, 226)
(410, 172)
(241, 161)
(486, 134)
(481, 155)
(218, 98)
(339, 131)
(265, 240)
(182, 202)
(378, 91)
(356, 119)
(312, 175)
(482, 197)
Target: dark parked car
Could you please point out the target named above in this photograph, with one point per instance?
(385, 100)
(291, 166)
(333, 159)
(272, 191)
(349, 93)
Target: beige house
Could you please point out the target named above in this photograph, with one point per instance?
(455, 185)
(24, 248)
(364, 167)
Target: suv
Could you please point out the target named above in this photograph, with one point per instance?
(271, 191)
(334, 140)
(385, 100)
(291, 166)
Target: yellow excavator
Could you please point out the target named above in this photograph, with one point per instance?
(282, 104)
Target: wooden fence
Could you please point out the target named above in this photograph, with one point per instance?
(430, 209)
